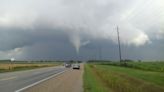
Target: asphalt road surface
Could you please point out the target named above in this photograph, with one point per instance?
(18, 81)
(70, 81)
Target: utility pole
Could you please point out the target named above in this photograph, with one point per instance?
(119, 43)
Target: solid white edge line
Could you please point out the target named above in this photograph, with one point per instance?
(31, 85)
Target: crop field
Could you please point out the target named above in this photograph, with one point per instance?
(150, 66)
(135, 77)
(7, 67)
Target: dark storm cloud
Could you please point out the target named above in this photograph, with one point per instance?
(18, 38)
(62, 29)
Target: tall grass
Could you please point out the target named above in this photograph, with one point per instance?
(91, 82)
(150, 76)
(121, 79)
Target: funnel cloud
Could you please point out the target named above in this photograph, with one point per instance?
(77, 42)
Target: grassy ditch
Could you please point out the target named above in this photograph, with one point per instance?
(8, 67)
(121, 79)
(92, 83)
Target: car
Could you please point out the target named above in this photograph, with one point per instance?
(67, 65)
(76, 66)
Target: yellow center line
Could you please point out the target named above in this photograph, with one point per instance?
(9, 78)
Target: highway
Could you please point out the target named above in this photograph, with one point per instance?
(17, 81)
(70, 81)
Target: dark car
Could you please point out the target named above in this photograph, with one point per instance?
(67, 65)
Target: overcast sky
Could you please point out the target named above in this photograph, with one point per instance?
(81, 29)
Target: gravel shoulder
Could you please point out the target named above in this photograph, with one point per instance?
(70, 81)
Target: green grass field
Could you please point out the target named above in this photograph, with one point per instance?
(109, 78)
(150, 66)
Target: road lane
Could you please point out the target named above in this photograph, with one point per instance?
(8, 78)
(10, 82)
(70, 81)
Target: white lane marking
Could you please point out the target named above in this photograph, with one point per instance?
(31, 85)
(8, 78)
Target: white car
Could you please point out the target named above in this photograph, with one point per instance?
(76, 66)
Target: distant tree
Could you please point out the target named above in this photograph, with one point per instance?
(139, 61)
(128, 60)
(71, 61)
